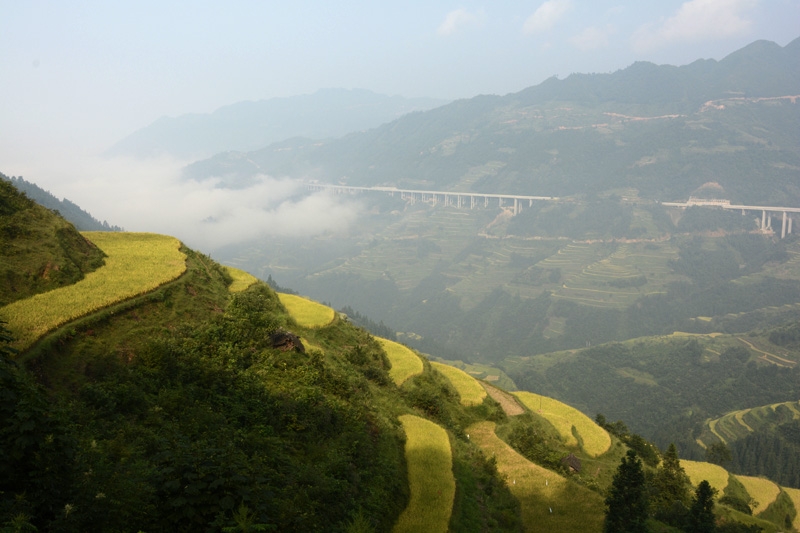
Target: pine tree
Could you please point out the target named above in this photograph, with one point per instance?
(701, 515)
(671, 489)
(627, 504)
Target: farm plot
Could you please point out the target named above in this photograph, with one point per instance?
(594, 440)
(698, 471)
(137, 263)
(307, 313)
(625, 275)
(430, 477)
(241, 279)
(405, 363)
(761, 490)
(738, 424)
(549, 502)
(468, 387)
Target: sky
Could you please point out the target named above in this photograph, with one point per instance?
(78, 76)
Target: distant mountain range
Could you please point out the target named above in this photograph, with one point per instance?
(657, 130)
(252, 125)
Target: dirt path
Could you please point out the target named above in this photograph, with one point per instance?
(506, 400)
(770, 357)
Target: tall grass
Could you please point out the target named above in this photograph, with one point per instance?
(307, 313)
(430, 477)
(596, 441)
(468, 387)
(137, 263)
(761, 490)
(698, 471)
(405, 363)
(549, 502)
(241, 279)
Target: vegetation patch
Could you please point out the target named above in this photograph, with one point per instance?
(136, 264)
(241, 279)
(468, 387)
(405, 363)
(762, 491)
(698, 471)
(794, 495)
(549, 501)
(595, 440)
(430, 477)
(307, 313)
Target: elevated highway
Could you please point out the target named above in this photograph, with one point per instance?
(515, 202)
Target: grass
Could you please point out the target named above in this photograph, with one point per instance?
(594, 440)
(698, 471)
(794, 495)
(430, 477)
(136, 264)
(241, 279)
(549, 502)
(307, 313)
(405, 363)
(761, 490)
(468, 387)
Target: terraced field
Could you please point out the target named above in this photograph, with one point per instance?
(307, 313)
(241, 279)
(738, 424)
(405, 363)
(137, 263)
(471, 392)
(549, 502)
(594, 440)
(601, 283)
(763, 492)
(698, 471)
(430, 477)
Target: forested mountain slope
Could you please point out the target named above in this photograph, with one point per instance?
(82, 220)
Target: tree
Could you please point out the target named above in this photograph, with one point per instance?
(5, 340)
(627, 504)
(719, 454)
(701, 514)
(671, 489)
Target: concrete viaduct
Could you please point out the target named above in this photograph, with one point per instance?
(766, 212)
(515, 202)
(460, 200)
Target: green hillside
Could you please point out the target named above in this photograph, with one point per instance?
(38, 251)
(170, 407)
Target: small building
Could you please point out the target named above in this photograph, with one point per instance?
(572, 462)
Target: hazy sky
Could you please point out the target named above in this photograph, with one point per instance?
(78, 76)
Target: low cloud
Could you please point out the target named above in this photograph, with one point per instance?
(696, 20)
(151, 196)
(592, 38)
(458, 20)
(546, 16)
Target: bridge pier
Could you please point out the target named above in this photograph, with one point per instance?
(783, 226)
(763, 220)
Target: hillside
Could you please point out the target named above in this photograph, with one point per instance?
(82, 220)
(38, 251)
(660, 130)
(173, 410)
(251, 125)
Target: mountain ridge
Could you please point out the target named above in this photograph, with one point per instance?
(249, 125)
